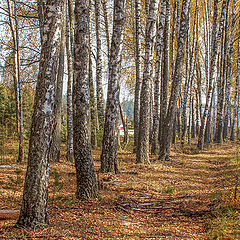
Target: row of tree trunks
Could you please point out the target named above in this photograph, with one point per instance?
(214, 51)
(176, 82)
(157, 77)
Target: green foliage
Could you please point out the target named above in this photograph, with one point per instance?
(170, 189)
(7, 111)
(225, 224)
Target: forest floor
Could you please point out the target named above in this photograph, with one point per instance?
(191, 196)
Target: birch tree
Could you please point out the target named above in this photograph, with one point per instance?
(85, 172)
(176, 81)
(109, 145)
(57, 138)
(144, 120)
(100, 99)
(138, 71)
(35, 194)
(69, 50)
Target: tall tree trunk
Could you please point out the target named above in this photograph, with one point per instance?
(236, 96)
(144, 120)
(20, 104)
(100, 99)
(86, 177)
(176, 81)
(35, 194)
(17, 76)
(138, 72)
(93, 102)
(56, 140)
(229, 74)
(109, 161)
(165, 73)
(157, 77)
(69, 50)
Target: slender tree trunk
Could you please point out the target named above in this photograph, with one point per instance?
(86, 177)
(138, 72)
(35, 194)
(100, 99)
(20, 105)
(165, 73)
(193, 126)
(228, 75)
(93, 102)
(144, 121)
(125, 127)
(109, 161)
(176, 81)
(69, 49)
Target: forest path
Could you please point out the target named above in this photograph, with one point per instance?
(163, 200)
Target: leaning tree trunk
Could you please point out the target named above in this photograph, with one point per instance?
(109, 145)
(56, 140)
(69, 50)
(176, 81)
(100, 100)
(86, 177)
(35, 194)
(138, 72)
(144, 120)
